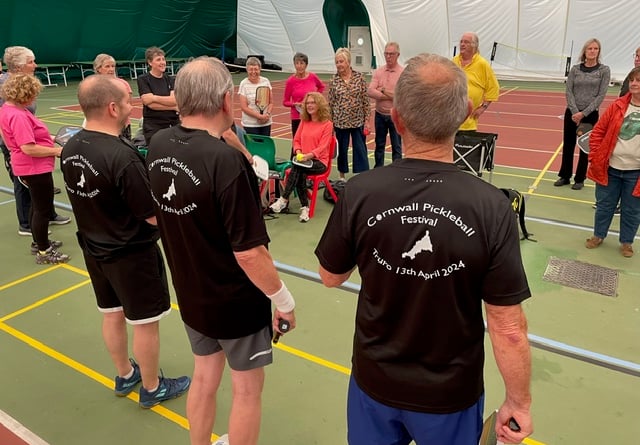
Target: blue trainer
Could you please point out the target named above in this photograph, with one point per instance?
(167, 389)
(125, 386)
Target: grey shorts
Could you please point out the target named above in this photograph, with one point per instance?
(244, 353)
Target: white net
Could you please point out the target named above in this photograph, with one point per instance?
(521, 64)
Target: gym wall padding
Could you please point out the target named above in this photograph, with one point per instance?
(76, 30)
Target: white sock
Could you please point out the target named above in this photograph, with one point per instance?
(129, 375)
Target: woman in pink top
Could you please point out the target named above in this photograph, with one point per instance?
(312, 142)
(299, 84)
(32, 159)
(106, 64)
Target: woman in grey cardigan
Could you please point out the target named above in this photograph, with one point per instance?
(587, 85)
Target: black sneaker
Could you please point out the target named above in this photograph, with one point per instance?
(124, 386)
(52, 243)
(167, 389)
(561, 181)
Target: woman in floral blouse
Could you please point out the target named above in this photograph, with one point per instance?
(350, 109)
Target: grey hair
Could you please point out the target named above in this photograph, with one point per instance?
(344, 53)
(302, 57)
(96, 92)
(100, 60)
(16, 57)
(201, 86)
(394, 44)
(431, 97)
(253, 61)
(475, 40)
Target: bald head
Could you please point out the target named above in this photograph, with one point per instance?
(97, 92)
(431, 98)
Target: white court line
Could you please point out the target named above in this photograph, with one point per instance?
(20, 430)
(7, 202)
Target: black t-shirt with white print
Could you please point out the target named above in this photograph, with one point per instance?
(430, 243)
(209, 207)
(107, 185)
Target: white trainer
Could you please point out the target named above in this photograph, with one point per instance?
(222, 440)
(279, 205)
(304, 214)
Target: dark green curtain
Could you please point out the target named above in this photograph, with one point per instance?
(76, 30)
(339, 15)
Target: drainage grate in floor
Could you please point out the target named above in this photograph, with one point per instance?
(579, 275)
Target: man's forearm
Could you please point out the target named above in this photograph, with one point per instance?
(507, 327)
(258, 265)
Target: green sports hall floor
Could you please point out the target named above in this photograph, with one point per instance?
(56, 375)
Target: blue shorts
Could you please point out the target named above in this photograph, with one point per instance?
(372, 423)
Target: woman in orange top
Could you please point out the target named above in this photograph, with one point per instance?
(312, 142)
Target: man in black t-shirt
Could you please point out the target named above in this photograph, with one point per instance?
(156, 91)
(108, 188)
(211, 224)
(431, 243)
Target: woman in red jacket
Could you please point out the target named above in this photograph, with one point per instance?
(614, 165)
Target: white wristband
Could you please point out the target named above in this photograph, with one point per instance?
(283, 299)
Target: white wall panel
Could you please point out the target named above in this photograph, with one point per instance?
(542, 30)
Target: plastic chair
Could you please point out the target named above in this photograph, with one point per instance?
(319, 179)
(265, 147)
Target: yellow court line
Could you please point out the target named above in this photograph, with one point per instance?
(44, 300)
(562, 198)
(49, 121)
(159, 409)
(530, 441)
(28, 277)
(77, 270)
(85, 370)
(314, 359)
(544, 170)
(59, 113)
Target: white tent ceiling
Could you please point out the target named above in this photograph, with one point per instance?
(544, 31)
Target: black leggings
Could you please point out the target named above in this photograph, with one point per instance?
(569, 148)
(41, 191)
(298, 179)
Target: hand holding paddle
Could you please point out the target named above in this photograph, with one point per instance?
(583, 132)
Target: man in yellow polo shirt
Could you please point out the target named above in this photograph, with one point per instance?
(483, 87)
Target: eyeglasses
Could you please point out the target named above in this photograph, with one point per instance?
(390, 54)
